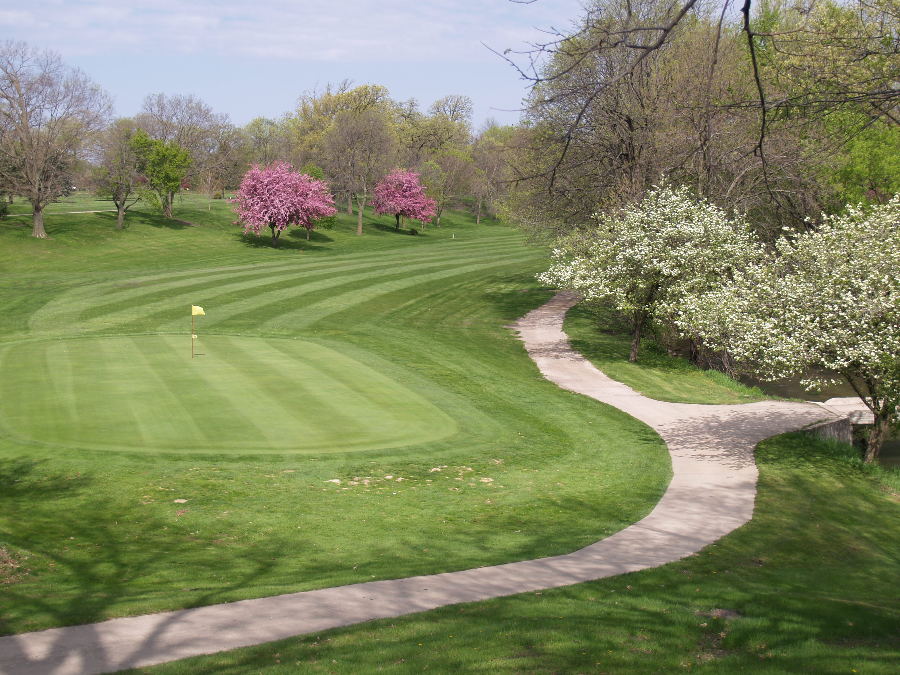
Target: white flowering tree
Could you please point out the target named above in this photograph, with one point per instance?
(828, 299)
(648, 256)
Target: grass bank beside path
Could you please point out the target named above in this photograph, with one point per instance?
(495, 465)
(593, 332)
(808, 586)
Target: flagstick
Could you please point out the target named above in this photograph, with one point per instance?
(192, 332)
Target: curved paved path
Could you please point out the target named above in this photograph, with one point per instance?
(711, 493)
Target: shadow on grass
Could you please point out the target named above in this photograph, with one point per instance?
(514, 295)
(314, 236)
(157, 221)
(93, 600)
(611, 341)
(807, 586)
(285, 243)
(391, 229)
(82, 566)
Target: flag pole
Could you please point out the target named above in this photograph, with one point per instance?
(192, 332)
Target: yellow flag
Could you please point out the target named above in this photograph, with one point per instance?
(195, 311)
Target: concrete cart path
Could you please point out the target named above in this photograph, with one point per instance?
(711, 493)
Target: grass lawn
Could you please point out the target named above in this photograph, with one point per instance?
(656, 374)
(357, 410)
(808, 586)
(125, 488)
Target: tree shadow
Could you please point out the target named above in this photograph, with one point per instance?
(314, 236)
(160, 223)
(91, 646)
(285, 243)
(92, 566)
(391, 229)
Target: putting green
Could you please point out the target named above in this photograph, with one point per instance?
(239, 395)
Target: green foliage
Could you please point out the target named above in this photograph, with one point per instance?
(310, 169)
(164, 165)
(4, 208)
(867, 169)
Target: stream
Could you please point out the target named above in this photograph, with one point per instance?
(791, 388)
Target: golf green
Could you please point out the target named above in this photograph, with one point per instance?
(238, 395)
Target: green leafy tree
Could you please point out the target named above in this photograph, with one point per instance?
(868, 166)
(164, 165)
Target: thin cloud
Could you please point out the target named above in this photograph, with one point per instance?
(349, 31)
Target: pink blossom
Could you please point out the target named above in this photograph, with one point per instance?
(277, 196)
(401, 194)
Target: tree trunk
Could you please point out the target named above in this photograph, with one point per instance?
(11, 199)
(478, 211)
(349, 202)
(879, 432)
(397, 226)
(275, 234)
(120, 218)
(37, 220)
(307, 233)
(168, 199)
(636, 338)
(360, 205)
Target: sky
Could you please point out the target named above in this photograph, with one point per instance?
(251, 59)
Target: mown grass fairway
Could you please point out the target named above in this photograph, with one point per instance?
(148, 393)
(358, 410)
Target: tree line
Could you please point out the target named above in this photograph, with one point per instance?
(58, 129)
(724, 176)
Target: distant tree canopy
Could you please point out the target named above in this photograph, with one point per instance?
(358, 133)
(750, 108)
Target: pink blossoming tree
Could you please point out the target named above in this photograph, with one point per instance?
(401, 194)
(276, 197)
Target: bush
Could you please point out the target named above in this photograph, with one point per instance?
(4, 209)
(413, 230)
(325, 223)
(217, 194)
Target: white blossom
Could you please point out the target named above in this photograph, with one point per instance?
(826, 299)
(645, 258)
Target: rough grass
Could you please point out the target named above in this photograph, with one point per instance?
(529, 470)
(808, 586)
(594, 333)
